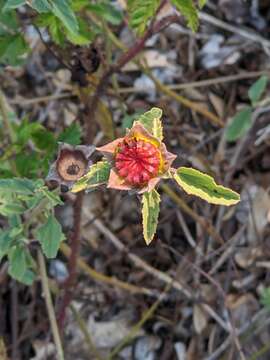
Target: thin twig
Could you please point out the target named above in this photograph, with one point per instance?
(4, 112)
(203, 83)
(136, 328)
(161, 276)
(49, 305)
(245, 33)
(112, 281)
(91, 346)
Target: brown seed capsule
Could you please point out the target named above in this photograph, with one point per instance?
(71, 164)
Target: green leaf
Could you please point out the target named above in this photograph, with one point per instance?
(71, 135)
(44, 140)
(202, 3)
(17, 185)
(150, 212)
(25, 130)
(5, 242)
(17, 262)
(140, 12)
(151, 120)
(28, 277)
(50, 236)
(63, 11)
(202, 185)
(239, 124)
(257, 89)
(8, 21)
(41, 6)
(83, 37)
(97, 175)
(265, 297)
(13, 208)
(13, 4)
(13, 48)
(107, 12)
(51, 196)
(189, 11)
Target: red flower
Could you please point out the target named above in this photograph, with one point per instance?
(139, 160)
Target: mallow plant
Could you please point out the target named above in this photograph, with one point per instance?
(137, 163)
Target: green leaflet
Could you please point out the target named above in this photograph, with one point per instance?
(188, 9)
(71, 135)
(63, 10)
(151, 120)
(202, 185)
(18, 263)
(202, 3)
(97, 175)
(50, 236)
(257, 89)
(17, 185)
(150, 212)
(239, 125)
(140, 11)
(41, 6)
(13, 4)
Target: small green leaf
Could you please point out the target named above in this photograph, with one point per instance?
(11, 209)
(257, 89)
(41, 6)
(150, 212)
(83, 37)
(17, 262)
(13, 49)
(107, 11)
(28, 277)
(13, 4)
(239, 124)
(64, 12)
(51, 196)
(19, 186)
(44, 140)
(8, 21)
(71, 135)
(50, 236)
(189, 11)
(151, 120)
(5, 242)
(202, 3)
(202, 185)
(97, 175)
(140, 12)
(265, 297)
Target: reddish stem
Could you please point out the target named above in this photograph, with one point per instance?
(72, 264)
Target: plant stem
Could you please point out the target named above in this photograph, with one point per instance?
(49, 305)
(91, 346)
(6, 122)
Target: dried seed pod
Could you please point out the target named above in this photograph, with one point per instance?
(85, 61)
(71, 164)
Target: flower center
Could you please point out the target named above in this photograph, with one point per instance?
(73, 169)
(137, 161)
